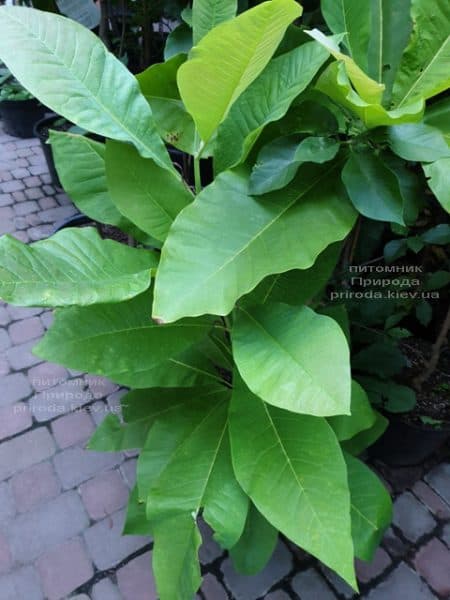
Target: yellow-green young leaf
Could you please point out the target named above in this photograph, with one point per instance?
(69, 69)
(335, 83)
(352, 17)
(361, 417)
(266, 100)
(371, 508)
(142, 191)
(75, 266)
(256, 545)
(80, 163)
(103, 339)
(424, 70)
(370, 91)
(293, 358)
(229, 58)
(220, 267)
(207, 14)
(310, 503)
(438, 175)
(373, 187)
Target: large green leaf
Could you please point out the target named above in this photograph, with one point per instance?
(352, 17)
(144, 193)
(136, 522)
(207, 14)
(361, 415)
(69, 69)
(80, 163)
(418, 142)
(291, 466)
(174, 124)
(438, 174)
(229, 58)
(424, 69)
(296, 287)
(278, 161)
(179, 41)
(390, 32)
(370, 91)
(75, 266)
(293, 358)
(175, 557)
(256, 545)
(299, 223)
(113, 436)
(373, 188)
(192, 469)
(335, 83)
(121, 342)
(363, 440)
(266, 100)
(371, 508)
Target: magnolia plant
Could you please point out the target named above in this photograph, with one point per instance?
(242, 404)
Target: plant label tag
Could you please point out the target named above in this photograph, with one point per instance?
(84, 11)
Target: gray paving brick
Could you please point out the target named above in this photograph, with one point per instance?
(19, 196)
(40, 232)
(433, 563)
(106, 590)
(20, 357)
(25, 450)
(59, 400)
(366, 572)
(39, 530)
(135, 579)
(446, 534)
(309, 585)
(412, 518)
(25, 208)
(6, 561)
(64, 569)
(6, 199)
(6, 212)
(34, 486)
(23, 584)
(402, 583)
(4, 316)
(209, 550)
(57, 214)
(128, 469)
(11, 186)
(104, 494)
(212, 589)
(14, 387)
(47, 202)
(106, 546)
(22, 236)
(46, 376)
(7, 507)
(74, 428)
(439, 480)
(5, 341)
(251, 588)
(22, 312)
(76, 465)
(32, 181)
(25, 330)
(14, 419)
(337, 583)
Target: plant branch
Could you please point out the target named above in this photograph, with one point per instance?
(435, 353)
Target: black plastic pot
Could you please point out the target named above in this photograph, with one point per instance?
(404, 444)
(41, 129)
(20, 116)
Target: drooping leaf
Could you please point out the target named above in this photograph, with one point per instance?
(335, 83)
(371, 508)
(265, 101)
(175, 557)
(75, 266)
(411, 187)
(382, 358)
(136, 522)
(389, 395)
(373, 188)
(390, 32)
(74, 75)
(207, 14)
(418, 142)
(174, 124)
(256, 545)
(80, 163)
(143, 192)
(278, 161)
(296, 287)
(352, 17)
(299, 222)
(179, 41)
(103, 339)
(301, 454)
(191, 469)
(439, 235)
(424, 68)
(361, 415)
(293, 358)
(369, 90)
(438, 176)
(229, 58)
(361, 441)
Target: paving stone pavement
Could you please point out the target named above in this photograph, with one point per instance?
(62, 507)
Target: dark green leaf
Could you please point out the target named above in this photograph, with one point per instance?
(418, 142)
